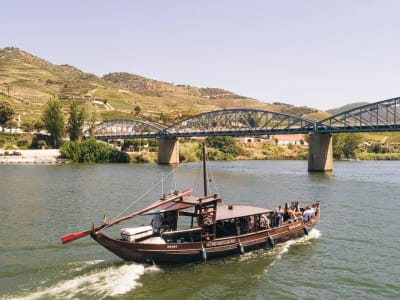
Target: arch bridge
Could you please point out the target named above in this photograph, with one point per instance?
(375, 117)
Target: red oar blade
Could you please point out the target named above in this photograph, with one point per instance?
(77, 235)
(73, 236)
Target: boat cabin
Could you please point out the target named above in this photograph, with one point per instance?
(202, 219)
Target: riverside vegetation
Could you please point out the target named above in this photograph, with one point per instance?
(346, 146)
(41, 94)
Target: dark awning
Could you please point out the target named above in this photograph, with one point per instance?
(178, 204)
(164, 207)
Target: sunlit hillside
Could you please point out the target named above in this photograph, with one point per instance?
(28, 82)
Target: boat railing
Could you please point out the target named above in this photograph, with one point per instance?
(181, 236)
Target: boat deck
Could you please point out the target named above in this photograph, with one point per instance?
(156, 240)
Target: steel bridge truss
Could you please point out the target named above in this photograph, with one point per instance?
(126, 129)
(239, 122)
(375, 117)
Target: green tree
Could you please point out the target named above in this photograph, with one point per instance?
(53, 119)
(71, 150)
(92, 119)
(377, 148)
(6, 113)
(77, 116)
(137, 109)
(345, 145)
(91, 151)
(225, 144)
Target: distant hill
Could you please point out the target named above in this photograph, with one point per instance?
(28, 82)
(149, 87)
(345, 108)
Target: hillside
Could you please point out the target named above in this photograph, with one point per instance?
(346, 107)
(28, 82)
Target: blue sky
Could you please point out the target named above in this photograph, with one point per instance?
(322, 54)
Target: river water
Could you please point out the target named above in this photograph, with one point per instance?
(354, 252)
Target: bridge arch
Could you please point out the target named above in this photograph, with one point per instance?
(379, 116)
(239, 122)
(124, 128)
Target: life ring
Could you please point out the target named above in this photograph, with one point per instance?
(207, 220)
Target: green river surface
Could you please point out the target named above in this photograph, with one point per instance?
(353, 253)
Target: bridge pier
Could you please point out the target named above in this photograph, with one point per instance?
(168, 151)
(320, 158)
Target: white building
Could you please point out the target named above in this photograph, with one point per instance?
(287, 139)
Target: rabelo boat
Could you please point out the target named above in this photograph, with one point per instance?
(207, 229)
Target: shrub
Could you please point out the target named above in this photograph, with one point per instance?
(225, 144)
(38, 144)
(22, 143)
(91, 151)
(9, 147)
(189, 152)
(71, 150)
(143, 158)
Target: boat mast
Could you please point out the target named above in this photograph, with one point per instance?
(204, 170)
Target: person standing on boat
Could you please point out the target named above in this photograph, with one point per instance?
(285, 215)
(156, 222)
(277, 218)
(308, 214)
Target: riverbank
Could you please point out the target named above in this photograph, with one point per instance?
(46, 156)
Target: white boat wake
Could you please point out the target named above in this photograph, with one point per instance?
(103, 281)
(284, 247)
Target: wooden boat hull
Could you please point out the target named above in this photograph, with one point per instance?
(174, 253)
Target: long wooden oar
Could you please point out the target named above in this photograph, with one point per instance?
(77, 235)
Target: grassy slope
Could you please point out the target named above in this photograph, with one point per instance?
(28, 82)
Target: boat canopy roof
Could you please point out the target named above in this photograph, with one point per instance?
(225, 212)
(178, 204)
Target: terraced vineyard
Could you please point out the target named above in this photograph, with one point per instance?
(28, 82)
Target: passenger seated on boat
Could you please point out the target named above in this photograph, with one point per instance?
(264, 221)
(252, 223)
(299, 216)
(292, 216)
